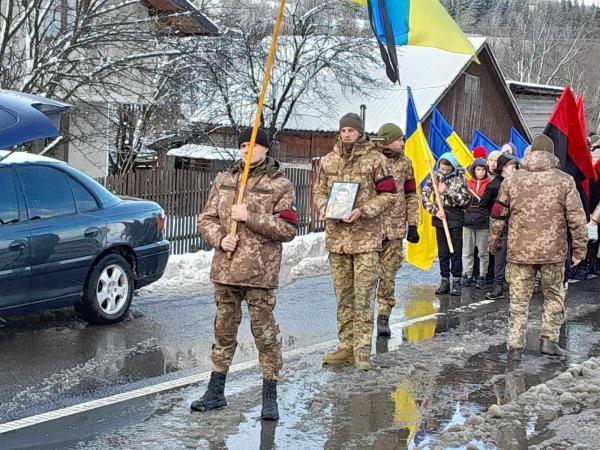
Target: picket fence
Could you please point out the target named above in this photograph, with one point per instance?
(183, 194)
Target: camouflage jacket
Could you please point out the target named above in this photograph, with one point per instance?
(541, 204)
(455, 198)
(596, 214)
(377, 192)
(272, 219)
(406, 208)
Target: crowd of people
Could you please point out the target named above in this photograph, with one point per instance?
(499, 221)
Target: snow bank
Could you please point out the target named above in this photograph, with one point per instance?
(304, 257)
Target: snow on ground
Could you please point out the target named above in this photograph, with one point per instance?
(304, 257)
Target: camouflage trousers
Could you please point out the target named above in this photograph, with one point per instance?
(355, 282)
(521, 278)
(390, 260)
(261, 303)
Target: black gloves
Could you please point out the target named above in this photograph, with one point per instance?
(413, 234)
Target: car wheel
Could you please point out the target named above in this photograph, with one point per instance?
(108, 292)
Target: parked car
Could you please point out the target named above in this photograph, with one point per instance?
(67, 240)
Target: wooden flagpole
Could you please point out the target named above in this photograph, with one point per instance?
(261, 102)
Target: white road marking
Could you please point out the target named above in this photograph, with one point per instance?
(192, 379)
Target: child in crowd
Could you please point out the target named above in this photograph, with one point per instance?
(453, 189)
(476, 232)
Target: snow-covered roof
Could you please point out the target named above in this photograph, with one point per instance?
(211, 152)
(534, 86)
(24, 157)
(428, 71)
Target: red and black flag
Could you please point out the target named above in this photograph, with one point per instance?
(570, 146)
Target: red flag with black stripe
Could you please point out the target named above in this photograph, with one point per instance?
(570, 146)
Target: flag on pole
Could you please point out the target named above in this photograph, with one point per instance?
(437, 143)
(423, 253)
(423, 23)
(481, 140)
(570, 146)
(519, 142)
(457, 146)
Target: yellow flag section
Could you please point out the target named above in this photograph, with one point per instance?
(462, 152)
(430, 25)
(422, 253)
(361, 2)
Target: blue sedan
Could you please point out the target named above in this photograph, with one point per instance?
(66, 240)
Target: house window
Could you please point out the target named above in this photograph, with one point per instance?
(472, 105)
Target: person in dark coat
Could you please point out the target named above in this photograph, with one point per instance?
(477, 219)
(507, 164)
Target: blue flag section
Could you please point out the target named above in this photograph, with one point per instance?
(519, 141)
(480, 139)
(437, 142)
(438, 121)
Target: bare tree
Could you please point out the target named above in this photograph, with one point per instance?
(322, 41)
(111, 58)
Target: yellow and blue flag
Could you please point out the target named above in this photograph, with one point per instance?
(423, 23)
(441, 127)
(422, 253)
(481, 140)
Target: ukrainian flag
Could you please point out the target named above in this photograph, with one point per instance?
(423, 253)
(439, 126)
(417, 22)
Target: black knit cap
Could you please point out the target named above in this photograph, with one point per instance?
(261, 137)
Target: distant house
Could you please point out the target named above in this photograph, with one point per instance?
(92, 117)
(536, 102)
(470, 95)
(207, 158)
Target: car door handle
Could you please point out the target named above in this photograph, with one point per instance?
(17, 246)
(91, 232)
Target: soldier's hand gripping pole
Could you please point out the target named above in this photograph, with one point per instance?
(257, 119)
(440, 203)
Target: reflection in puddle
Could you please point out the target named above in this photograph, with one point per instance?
(420, 408)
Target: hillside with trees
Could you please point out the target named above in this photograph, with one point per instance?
(541, 41)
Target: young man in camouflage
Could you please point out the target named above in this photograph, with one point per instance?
(405, 210)
(541, 205)
(354, 244)
(251, 272)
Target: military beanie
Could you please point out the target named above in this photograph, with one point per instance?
(261, 137)
(352, 120)
(390, 133)
(542, 143)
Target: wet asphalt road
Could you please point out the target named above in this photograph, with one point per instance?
(52, 360)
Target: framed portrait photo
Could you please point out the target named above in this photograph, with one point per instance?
(342, 199)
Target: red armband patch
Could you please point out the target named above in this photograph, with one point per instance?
(387, 185)
(290, 216)
(410, 187)
(497, 210)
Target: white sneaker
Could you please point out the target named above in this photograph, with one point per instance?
(566, 285)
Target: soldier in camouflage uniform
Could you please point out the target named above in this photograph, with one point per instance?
(541, 205)
(404, 210)
(354, 244)
(266, 219)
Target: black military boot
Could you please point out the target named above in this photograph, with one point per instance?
(444, 287)
(214, 396)
(383, 326)
(456, 290)
(548, 347)
(496, 293)
(270, 410)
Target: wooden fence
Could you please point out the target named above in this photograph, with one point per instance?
(183, 193)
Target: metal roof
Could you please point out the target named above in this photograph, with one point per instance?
(209, 152)
(428, 71)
